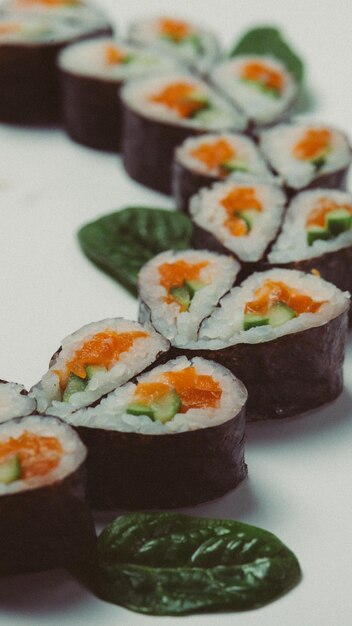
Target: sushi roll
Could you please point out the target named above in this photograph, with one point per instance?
(45, 520)
(317, 234)
(14, 401)
(173, 438)
(93, 361)
(83, 14)
(306, 156)
(238, 218)
(283, 333)
(260, 86)
(201, 161)
(29, 78)
(92, 74)
(178, 290)
(187, 42)
(159, 114)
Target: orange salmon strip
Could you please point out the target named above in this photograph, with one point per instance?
(177, 98)
(317, 216)
(313, 143)
(176, 29)
(49, 3)
(262, 73)
(272, 292)
(239, 199)
(38, 455)
(174, 274)
(113, 55)
(214, 154)
(9, 28)
(104, 349)
(196, 391)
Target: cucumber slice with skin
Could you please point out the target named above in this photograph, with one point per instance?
(232, 166)
(319, 162)
(74, 385)
(280, 313)
(140, 409)
(193, 286)
(252, 320)
(182, 296)
(317, 232)
(93, 369)
(10, 470)
(339, 221)
(166, 407)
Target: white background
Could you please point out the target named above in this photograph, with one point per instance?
(300, 469)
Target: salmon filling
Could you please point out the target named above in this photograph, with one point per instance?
(314, 146)
(272, 292)
(176, 30)
(263, 76)
(176, 392)
(48, 3)
(104, 349)
(241, 205)
(113, 55)
(181, 280)
(9, 28)
(183, 98)
(215, 155)
(318, 215)
(36, 455)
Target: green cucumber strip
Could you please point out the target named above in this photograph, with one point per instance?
(252, 320)
(256, 84)
(166, 407)
(93, 369)
(171, 564)
(317, 232)
(339, 221)
(74, 385)
(10, 470)
(193, 286)
(233, 167)
(134, 408)
(182, 296)
(280, 313)
(319, 162)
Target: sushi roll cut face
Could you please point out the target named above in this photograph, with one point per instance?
(32, 31)
(179, 289)
(14, 401)
(110, 60)
(272, 304)
(36, 452)
(304, 153)
(220, 155)
(317, 222)
(188, 42)
(180, 396)
(93, 361)
(67, 10)
(260, 86)
(181, 100)
(243, 217)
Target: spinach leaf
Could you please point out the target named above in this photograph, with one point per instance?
(171, 564)
(269, 41)
(120, 243)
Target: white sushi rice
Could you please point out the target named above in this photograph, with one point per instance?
(111, 414)
(292, 245)
(146, 32)
(207, 212)
(277, 145)
(259, 106)
(137, 94)
(180, 327)
(14, 403)
(42, 30)
(246, 154)
(142, 353)
(74, 452)
(88, 58)
(225, 326)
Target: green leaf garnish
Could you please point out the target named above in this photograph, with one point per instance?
(120, 243)
(171, 564)
(266, 40)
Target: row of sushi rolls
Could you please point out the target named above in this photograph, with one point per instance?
(250, 324)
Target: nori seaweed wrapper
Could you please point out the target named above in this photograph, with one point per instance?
(186, 183)
(332, 180)
(148, 147)
(48, 527)
(289, 375)
(92, 111)
(29, 80)
(137, 471)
